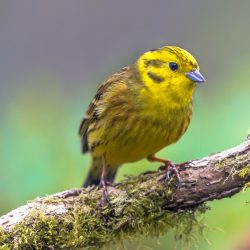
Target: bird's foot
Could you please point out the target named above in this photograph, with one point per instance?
(103, 185)
(171, 170)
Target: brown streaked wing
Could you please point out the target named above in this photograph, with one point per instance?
(91, 114)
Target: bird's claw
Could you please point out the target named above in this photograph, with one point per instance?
(103, 186)
(171, 170)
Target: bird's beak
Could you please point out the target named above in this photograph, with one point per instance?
(196, 76)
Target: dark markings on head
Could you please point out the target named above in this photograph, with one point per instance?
(179, 53)
(155, 78)
(154, 49)
(155, 63)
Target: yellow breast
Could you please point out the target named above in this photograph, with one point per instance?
(141, 134)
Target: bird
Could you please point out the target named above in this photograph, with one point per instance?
(139, 110)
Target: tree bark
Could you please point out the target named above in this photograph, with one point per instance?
(139, 205)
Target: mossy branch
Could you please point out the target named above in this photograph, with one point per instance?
(140, 205)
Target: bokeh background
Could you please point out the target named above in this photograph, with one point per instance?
(53, 56)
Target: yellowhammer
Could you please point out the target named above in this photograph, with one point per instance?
(138, 111)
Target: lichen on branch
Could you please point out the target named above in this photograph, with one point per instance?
(141, 205)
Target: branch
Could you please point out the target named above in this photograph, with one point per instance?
(140, 205)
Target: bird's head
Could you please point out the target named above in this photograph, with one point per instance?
(170, 71)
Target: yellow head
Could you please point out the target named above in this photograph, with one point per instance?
(169, 73)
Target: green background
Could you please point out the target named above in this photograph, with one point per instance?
(53, 56)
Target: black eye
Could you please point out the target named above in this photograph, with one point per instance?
(173, 66)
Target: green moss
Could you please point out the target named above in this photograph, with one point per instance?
(245, 171)
(232, 160)
(222, 163)
(133, 213)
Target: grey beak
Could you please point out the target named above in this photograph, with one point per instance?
(196, 76)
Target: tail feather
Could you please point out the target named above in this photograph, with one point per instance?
(95, 172)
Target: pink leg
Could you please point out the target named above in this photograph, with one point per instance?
(103, 182)
(169, 166)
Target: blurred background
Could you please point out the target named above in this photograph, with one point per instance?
(53, 56)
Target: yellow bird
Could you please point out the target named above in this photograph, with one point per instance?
(138, 111)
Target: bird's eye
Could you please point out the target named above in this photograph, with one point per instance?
(173, 66)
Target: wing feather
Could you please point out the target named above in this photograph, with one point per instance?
(92, 114)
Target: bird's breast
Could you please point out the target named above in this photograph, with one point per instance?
(145, 133)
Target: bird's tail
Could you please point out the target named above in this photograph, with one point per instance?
(95, 172)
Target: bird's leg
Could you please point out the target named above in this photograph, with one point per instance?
(103, 181)
(168, 166)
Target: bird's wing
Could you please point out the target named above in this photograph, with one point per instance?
(92, 114)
